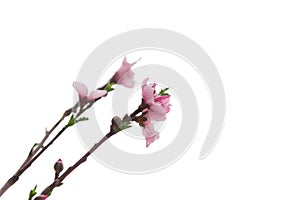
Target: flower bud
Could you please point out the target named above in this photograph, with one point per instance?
(58, 167)
(115, 124)
(41, 197)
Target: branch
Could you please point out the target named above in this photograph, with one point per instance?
(36, 152)
(116, 126)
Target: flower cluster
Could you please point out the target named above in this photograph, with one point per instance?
(157, 106)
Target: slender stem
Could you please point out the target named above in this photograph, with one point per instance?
(113, 131)
(104, 86)
(40, 149)
(138, 110)
(26, 164)
(51, 142)
(58, 181)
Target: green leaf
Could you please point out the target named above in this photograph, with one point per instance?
(124, 126)
(81, 119)
(108, 87)
(73, 121)
(32, 193)
(163, 92)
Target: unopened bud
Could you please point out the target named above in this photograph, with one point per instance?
(41, 197)
(58, 167)
(115, 124)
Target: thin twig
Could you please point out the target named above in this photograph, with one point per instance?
(40, 149)
(113, 130)
(16, 176)
(59, 180)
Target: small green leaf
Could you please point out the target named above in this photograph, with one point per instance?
(123, 126)
(163, 92)
(73, 121)
(108, 87)
(32, 193)
(82, 119)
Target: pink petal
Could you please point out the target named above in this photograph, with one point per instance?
(96, 94)
(127, 80)
(148, 92)
(145, 82)
(150, 134)
(81, 89)
(162, 99)
(157, 113)
(123, 69)
(149, 140)
(124, 76)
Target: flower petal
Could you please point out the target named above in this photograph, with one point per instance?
(157, 113)
(96, 94)
(81, 89)
(127, 80)
(124, 76)
(164, 101)
(150, 134)
(123, 69)
(145, 82)
(148, 92)
(150, 140)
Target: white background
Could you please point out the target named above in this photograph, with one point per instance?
(255, 46)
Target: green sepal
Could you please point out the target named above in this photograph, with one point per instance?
(163, 92)
(71, 122)
(108, 87)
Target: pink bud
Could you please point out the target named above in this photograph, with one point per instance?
(41, 197)
(58, 167)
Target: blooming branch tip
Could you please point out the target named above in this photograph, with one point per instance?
(156, 108)
(124, 76)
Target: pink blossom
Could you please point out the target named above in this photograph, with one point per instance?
(124, 76)
(159, 105)
(83, 93)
